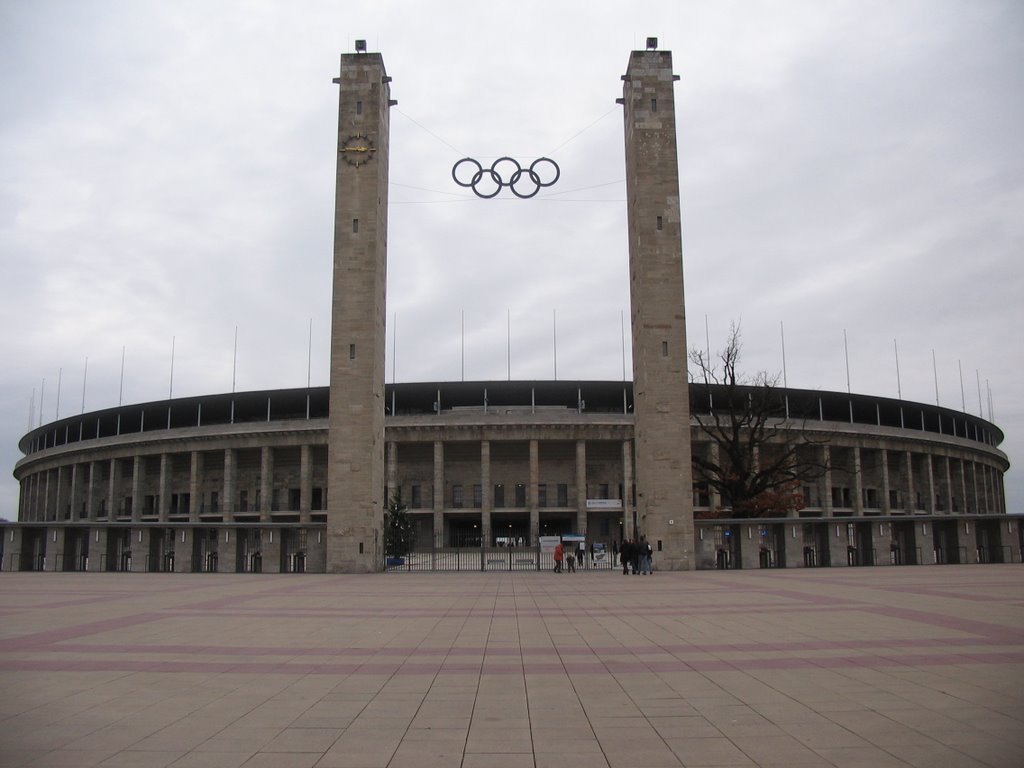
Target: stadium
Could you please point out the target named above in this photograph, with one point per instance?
(300, 480)
(237, 482)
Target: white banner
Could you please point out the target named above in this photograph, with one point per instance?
(604, 504)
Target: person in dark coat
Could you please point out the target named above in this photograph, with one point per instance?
(626, 555)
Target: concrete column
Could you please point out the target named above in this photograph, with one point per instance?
(72, 501)
(793, 545)
(627, 491)
(305, 483)
(195, 486)
(270, 550)
(90, 493)
(750, 546)
(227, 550)
(59, 495)
(164, 490)
(391, 451)
(886, 505)
(113, 496)
(55, 540)
(183, 550)
(356, 469)
(908, 468)
(137, 489)
(974, 484)
(45, 495)
(229, 500)
(438, 493)
(140, 548)
(858, 483)
(930, 506)
(532, 490)
(266, 481)
(881, 538)
(963, 485)
(715, 497)
(826, 502)
(581, 484)
(661, 404)
(97, 549)
(12, 549)
(485, 492)
(32, 505)
(947, 472)
(838, 542)
(27, 508)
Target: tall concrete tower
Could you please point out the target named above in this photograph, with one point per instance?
(664, 479)
(355, 452)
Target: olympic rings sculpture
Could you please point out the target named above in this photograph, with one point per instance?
(496, 180)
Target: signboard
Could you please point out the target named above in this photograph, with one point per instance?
(548, 543)
(575, 537)
(604, 503)
(600, 554)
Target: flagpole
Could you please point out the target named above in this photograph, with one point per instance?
(170, 385)
(120, 391)
(554, 340)
(60, 375)
(782, 331)
(846, 350)
(963, 397)
(309, 355)
(85, 375)
(622, 329)
(899, 386)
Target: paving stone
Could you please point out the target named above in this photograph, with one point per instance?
(867, 666)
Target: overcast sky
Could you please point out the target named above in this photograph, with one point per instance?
(167, 175)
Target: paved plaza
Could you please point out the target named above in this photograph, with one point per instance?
(912, 666)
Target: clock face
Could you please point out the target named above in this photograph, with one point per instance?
(357, 150)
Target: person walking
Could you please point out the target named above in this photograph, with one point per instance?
(634, 556)
(559, 553)
(645, 556)
(570, 560)
(625, 555)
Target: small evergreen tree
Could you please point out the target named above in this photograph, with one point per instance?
(398, 527)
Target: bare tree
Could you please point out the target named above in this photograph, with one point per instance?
(762, 457)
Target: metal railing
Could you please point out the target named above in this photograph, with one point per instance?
(452, 555)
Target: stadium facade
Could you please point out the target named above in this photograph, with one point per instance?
(298, 480)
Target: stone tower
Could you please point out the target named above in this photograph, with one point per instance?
(355, 469)
(662, 410)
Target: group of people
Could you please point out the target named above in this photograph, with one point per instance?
(569, 556)
(636, 556)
